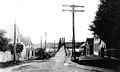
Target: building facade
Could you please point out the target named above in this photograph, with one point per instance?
(98, 45)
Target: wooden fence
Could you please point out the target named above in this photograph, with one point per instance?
(113, 53)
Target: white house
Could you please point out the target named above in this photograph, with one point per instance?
(28, 50)
(98, 44)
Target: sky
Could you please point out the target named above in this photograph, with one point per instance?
(35, 17)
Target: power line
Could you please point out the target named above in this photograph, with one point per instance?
(73, 6)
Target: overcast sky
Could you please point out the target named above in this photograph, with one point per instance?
(35, 17)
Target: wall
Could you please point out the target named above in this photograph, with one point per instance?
(5, 56)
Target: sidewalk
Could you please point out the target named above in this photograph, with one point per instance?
(97, 61)
(90, 57)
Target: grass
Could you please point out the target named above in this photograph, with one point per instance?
(102, 63)
(9, 64)
(12, 63)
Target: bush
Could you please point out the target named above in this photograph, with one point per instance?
(19, 48)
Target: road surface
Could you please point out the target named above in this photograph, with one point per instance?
(59, 63)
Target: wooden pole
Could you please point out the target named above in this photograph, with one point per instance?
(15, 42)
(73, 25)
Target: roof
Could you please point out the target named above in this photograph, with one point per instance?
(26, 40)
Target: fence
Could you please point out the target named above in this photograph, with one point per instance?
(113, 53)
(5, 56)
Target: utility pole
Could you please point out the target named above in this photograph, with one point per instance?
(41, 41)
(15, 42)
(45, 40)
(73, 24)
(54, 45)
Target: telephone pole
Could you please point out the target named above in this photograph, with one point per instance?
(73, 24)
(41, 41)
(45, 40)
(15, 42)
(54, 45)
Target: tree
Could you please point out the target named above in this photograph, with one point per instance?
(40, 52)
(3, 41)
(19, 48)
(107, 23)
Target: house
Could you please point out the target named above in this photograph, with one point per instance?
(98, 44)
(89, 46)
(50, 47)
(28, 50)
